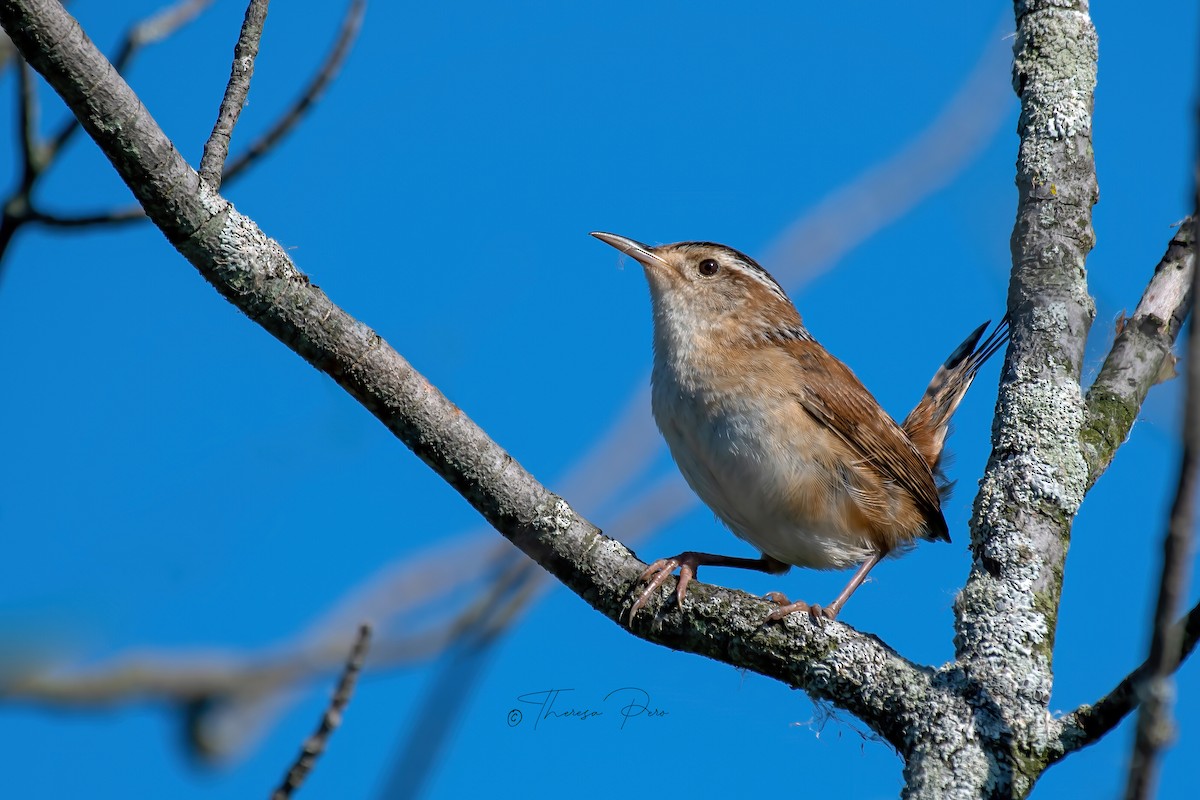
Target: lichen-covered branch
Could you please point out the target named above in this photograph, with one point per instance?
(1036, 475)
(833, 662)
(1140, 353)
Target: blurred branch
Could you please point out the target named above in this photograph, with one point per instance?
(1155, 727)
(1140, 353)
(16, 207)
(488, 578)
(37, 157)
(27, 119)
(174, 678)
(330, 720)
(149, 31)
(1089, 723)
(241, 72)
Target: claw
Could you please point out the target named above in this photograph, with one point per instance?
(816, 612)
(657, 574)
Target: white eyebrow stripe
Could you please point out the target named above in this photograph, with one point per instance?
(762, 276)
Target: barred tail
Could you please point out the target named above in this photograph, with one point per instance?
(929, 423)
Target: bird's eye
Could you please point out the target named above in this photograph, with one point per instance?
(708, 266)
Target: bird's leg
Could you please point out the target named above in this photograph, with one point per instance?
(688, 564)
(830, 611)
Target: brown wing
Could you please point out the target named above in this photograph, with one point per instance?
(837, 399)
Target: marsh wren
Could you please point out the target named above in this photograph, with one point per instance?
(777, 436)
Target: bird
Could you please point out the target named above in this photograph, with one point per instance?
(777, 436)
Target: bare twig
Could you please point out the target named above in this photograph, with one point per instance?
(312, 93)
(18, 207)
(28, 119)
(38, 157)
(315, 745)
(292, 116)
(1155, 728)
(118, 216)
(216, 149)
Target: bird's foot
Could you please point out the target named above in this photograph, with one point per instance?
(657, 573)
(786, 607)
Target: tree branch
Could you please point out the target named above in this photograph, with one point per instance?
(1036, 475)
(216, 149)
(833, 662)
(38, 157)
(1137, 358)
(330, 720)
(28, 116)
(309, 96)
(165, 23)
(1006, 614)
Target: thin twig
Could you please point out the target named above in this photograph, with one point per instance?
(216, 149)
(312, 93)
(1139, 352)
(1155, 728)
(39, 156)
(29, 113)
(18, 208)
(292, 116)
(115, 217)
(315, 745)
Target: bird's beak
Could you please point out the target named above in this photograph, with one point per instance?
(643, 253)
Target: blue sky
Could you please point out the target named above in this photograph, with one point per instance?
(175, 478)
